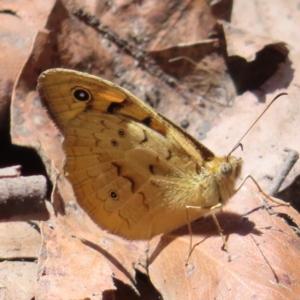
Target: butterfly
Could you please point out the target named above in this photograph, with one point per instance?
(135, 172)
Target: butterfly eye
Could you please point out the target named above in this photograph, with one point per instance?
(113, 194)
(114, 143)
(121, 133)
(81, 94)
(226, 169)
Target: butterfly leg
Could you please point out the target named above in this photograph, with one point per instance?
(220, 230)
(212, 210)
(190, 231)
(273, 199)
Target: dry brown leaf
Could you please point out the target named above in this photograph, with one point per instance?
(17, 280)
(17, 35)
(159, 27)
(258, 244)
(277, 20)
(67, 267)
(246, 44)
(155, 24)
(117, 252)
(19, 240)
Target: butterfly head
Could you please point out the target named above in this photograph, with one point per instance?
(226, 171)
(230, 170)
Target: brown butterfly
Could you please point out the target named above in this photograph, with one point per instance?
(136, 173)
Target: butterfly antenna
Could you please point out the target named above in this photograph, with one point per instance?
(239, 144)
